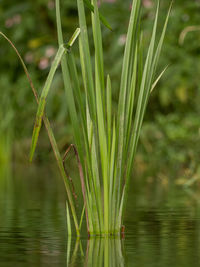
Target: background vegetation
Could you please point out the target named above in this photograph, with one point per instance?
(171, 133)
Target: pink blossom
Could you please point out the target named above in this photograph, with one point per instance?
(50, 51)
(10, 22)
(44, 63)
(29, 57)
(17, 19)
(51, 5)
(106, 1)
(122, 39)
(147, 3)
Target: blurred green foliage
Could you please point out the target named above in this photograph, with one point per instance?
(171, 133)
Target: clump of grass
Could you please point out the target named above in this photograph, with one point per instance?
(105, 143)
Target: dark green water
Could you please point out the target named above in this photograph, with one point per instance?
(162, 225)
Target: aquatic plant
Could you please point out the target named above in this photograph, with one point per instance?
(104, 142)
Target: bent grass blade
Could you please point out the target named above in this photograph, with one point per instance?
(45, 91)
(42, 101)
(51, 138)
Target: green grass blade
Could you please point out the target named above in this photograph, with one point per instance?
(71, 101)
(79, 98)
(103, 153)
(160, 44)
(145, 89)
(42, 101)
(74, 37)
(82, 215)
(131, 99)
(93, 173)
(143, 95)
(68, 88)
(121, 209)
(126, 68)
(86, 61)
(95, 177)
(100, 99)
(69, 228)
(141, 59)
(151, 70)
(77, 88)
(158, 79)
(153, 64)
(141, 105)
(91, 153)
(111, 178)
(102, 18)
(109, 111)
(62, 171)
(98, 49)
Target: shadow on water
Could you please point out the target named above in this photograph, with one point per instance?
(162, 225)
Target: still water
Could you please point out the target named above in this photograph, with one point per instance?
(162, 225)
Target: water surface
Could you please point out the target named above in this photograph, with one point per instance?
(162, 225)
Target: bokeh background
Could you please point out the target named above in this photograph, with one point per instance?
(170, 140)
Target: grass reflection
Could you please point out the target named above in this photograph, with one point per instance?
(104, 252)
(99, 252)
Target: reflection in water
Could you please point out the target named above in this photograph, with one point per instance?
(162, 226)
(100, 252)
(104, 252)
(69, 241)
